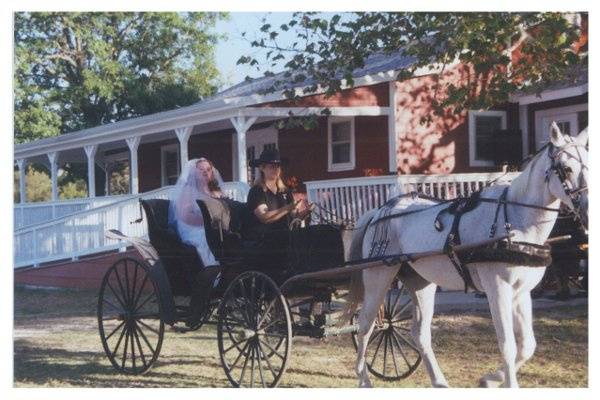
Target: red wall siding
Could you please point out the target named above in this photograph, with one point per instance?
(85, 273)
(441, 146)
(307, 150)
(149, 165)
(374, 95)
(216, 147)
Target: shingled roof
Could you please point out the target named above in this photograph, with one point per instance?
(375, 64)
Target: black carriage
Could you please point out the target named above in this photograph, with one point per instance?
(258, 303)
(568, 273)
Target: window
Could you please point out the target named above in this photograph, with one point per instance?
(170, 165)
(340, 140)
(482, 127)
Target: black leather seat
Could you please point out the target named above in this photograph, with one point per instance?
(224, 221)
(181, 261)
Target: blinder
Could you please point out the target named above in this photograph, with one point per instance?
(557, 167)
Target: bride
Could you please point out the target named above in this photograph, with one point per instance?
(198, 180)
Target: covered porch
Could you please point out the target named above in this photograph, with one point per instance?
(155, 148)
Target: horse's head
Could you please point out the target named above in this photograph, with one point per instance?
(567, 175)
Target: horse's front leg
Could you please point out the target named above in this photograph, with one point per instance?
(500, 298)
(376, 284)
(423, 297)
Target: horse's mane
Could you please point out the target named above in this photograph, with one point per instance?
(523, 183)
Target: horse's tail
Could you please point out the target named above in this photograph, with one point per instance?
(356, 289)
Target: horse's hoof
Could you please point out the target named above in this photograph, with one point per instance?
(365, 384)
(488, 383)
(492, 380)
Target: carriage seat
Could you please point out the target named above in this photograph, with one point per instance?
(224, 221)
(180, 260)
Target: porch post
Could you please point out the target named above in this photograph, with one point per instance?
(53, 157)
(90, 151)
(22, 164)
(133, 144)
(106, 178)
(392, 131)
(241, 126)
(183, 134)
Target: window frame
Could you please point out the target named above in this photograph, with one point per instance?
(347, 166)
(473, 114)
(163, 150)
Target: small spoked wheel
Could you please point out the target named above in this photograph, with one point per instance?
(129, 322)
(254, 331)
(391, 353)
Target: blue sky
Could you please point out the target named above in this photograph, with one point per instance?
(229, 51)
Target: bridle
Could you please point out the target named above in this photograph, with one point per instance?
(562, 172)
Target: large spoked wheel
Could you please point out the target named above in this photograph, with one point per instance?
(391, 353)
(254, 331)
(129, 322)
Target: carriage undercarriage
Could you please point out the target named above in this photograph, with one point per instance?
(255, 324)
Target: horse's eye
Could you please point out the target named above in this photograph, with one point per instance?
(568, 170)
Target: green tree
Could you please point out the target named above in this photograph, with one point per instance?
(119, 179)
(16, 193)
(80, 70)
(38, 187)
(327, 49)
(73, 190)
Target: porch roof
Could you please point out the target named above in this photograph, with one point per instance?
(232, 102)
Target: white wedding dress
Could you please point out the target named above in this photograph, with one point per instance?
(192, 186)
(196, 236)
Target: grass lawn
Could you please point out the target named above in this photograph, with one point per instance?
(56, 344)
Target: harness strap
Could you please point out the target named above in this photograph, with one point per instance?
(452, 240)
(501, 200)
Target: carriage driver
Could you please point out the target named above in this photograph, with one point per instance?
(271, 206)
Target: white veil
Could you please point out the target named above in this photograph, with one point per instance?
(190, 186)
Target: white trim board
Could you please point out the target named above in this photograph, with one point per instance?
(550, 95)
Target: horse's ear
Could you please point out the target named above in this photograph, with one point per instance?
(556, 136)
(582, 138)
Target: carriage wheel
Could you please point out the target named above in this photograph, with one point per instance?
(254, 331)
(129, 320)
(391, 353)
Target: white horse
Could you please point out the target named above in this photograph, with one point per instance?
(556, 174)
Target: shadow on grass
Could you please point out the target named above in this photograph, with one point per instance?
(57, 367)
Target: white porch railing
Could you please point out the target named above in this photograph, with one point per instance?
(82, 233)
(350, 198)
(39, 212)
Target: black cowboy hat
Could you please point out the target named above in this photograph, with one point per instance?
(268, 156)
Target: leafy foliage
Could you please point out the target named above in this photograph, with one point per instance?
(79, 70)
(39, 185)
(119, 179)
(328, 49)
